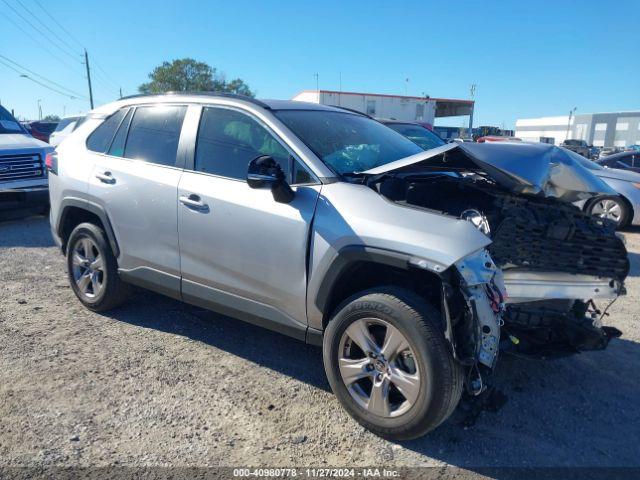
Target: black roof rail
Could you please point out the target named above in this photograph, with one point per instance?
(204, 94)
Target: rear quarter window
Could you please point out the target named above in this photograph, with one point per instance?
(101, 137)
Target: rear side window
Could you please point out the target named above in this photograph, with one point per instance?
(228, 140)
(100, 139)
(154, 134)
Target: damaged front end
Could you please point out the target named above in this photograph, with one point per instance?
(473, 295)
(535, 290)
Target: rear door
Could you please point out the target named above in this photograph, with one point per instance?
(136, 181)
(241, 252)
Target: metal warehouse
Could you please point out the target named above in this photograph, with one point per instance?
(397, 107)
(616, 129)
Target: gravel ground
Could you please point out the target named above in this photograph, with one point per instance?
(158, 382)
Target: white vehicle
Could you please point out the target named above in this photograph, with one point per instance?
(64, 129)
(23, 176)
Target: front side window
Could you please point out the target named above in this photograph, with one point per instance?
(101, 137)
(228, 140)
(625, 160)
(346, 142)
(154, 134)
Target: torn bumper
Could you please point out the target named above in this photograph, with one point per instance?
(484, 293)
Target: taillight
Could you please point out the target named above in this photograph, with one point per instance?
(51, 162)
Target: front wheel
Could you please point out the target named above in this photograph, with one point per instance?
(389, 365)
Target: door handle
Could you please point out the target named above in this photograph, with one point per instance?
(193, 201)
(106, 177)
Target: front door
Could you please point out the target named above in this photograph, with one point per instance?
(241, 252)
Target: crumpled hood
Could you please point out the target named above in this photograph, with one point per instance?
(528, 168)
(20, 140)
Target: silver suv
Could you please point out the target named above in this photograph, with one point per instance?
(325, 225)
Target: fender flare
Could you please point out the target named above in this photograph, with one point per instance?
(93, 208)
(345, 258)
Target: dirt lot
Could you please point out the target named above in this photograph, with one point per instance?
(162, 383)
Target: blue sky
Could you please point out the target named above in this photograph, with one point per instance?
(528, 58)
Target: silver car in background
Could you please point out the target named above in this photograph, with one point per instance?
(413, 269)
(624, 208)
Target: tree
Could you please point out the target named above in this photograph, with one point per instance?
(189, 75)
(51, 118)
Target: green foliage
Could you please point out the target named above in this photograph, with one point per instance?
(189, 75)
(51, 118)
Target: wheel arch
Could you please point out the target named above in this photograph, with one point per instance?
(627, 202)
(356, 268)
(74, 211)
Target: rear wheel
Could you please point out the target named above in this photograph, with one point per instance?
(388, 363)
(93, 270)
(610, 208)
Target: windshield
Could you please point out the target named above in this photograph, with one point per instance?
(347, 143)
(65, 122)
(419, 135)
(8, 124)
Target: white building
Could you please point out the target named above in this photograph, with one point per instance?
(397, 107)
(617, 129)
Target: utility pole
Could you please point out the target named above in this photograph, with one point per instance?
(120, 92)
(86, 64)
(472, 91)
(317, 85)
(39, 109)
(571, 112)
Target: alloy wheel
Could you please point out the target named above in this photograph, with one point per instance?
(88, 267)
(378, 367)
(608, 209)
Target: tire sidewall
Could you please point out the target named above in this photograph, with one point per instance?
(431, 376)
(96, 235)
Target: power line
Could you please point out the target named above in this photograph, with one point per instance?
(38, 82)
(7, 59)
(59, 24)
(105, 75)
(62, 40)
(106, 78)
(53, 43)
(40, 44)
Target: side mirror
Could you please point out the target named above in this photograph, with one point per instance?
(265, 172)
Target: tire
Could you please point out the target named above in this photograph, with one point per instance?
(89, 255)
(612, 208)
(440, 377)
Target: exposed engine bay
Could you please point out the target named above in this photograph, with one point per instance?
(555, 261)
